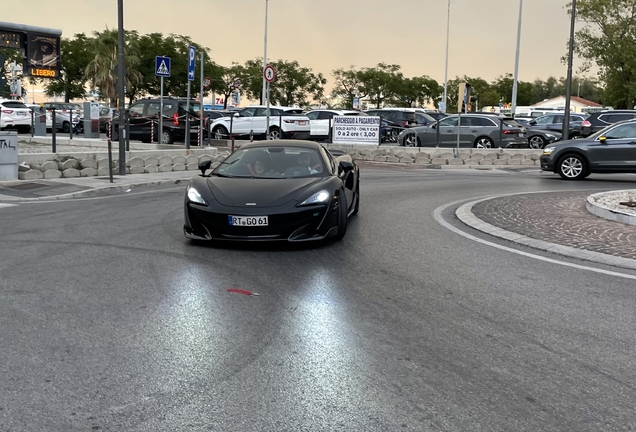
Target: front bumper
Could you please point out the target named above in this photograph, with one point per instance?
(547, 163)
(288, 224)
(516, 142)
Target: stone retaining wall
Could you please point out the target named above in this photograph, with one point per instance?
(441, 156)
(71, 166)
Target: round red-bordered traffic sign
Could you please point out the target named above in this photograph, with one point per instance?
(269, 73)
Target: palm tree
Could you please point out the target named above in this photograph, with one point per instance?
(101, 69)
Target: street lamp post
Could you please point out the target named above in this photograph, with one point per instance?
(516, 76)
(446, 69)
(264, 96)
(121, 74)
(568, 85)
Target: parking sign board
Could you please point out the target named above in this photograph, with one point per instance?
(162, 66)
(356, 130)
(192, 56)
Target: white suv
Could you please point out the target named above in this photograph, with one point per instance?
(284, 122)
(15, 114)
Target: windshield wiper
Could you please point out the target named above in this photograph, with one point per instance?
(222, 175)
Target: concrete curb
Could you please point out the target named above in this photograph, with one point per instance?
(98, 191)
(608, 213)
(464, 213)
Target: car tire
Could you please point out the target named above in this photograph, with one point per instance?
(166, 137)
(66, 127)
(536, 142)
(274, 133)
(219, 133)
(343, 219)
(572, 167)
(411, 140)
(484, 142)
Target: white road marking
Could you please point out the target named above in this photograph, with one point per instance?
(7, 205)
(437, 214)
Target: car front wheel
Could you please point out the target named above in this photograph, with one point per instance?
(483, 142)
(572, 167)
(536, 142)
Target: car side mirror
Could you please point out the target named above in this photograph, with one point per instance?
(532, 123)
(602, 139)
(236, 115)
(204, 166)
(346, 166)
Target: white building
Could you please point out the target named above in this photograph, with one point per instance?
(577, 104)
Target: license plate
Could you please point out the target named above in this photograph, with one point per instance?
(21, 114)
(247, 220)
(522, 135)
(302, 122)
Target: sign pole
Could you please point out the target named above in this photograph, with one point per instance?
(160, 131)
(459, 122)
(187, 132)
(201, 105)
(267, 111)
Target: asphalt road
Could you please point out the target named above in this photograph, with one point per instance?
(111, 320)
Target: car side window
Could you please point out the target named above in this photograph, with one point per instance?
(312, 115)
(136, 110)
(449, 121)
(545, 119)
(103, 111)
(559, 119)
(622, 132)
(329, 160)
(153, 109)
(247, 112)
(325, 115)
(615, 118)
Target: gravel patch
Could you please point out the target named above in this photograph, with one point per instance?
(612, 200)
(29, 148)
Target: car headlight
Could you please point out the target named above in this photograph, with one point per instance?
(317, 198)
(548, 150)
(195, 197)
(550, 136)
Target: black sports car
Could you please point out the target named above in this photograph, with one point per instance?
(288, 190)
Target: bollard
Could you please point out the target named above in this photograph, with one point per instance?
(32, 124)
(53, 132)
(110, 160)
(252, 135)
(199, 135)
(109, 130)
(70, 124)
(207, 128)
(152, 131)
(127, 129)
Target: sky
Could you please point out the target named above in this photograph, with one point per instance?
(328, 34)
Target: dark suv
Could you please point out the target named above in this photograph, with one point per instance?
(398, 117)
(600, 120)
(143, 117)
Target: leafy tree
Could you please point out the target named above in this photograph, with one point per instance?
(608, 39)
(176, 47)
(414, 91)
(75, 55)
(293, 86)
(101, 69)
(347, 85)
(379, 83)
(224, 79)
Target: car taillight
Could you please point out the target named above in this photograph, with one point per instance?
(586, 123)
(405, 123)
(7, 111)
(510, 132)
(175, 119)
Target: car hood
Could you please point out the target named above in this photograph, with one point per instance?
(263, 192)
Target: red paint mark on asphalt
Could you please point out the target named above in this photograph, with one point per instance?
(239, 291)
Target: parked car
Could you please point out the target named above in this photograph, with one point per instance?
(284, 122)
(143, 117)
(476, 130)
(320, 121)
(107, 115)
(66, 114)
(611, 150)
(401, 117)
(600, 120)
(554, 122)
(538, 138)
(15, 115)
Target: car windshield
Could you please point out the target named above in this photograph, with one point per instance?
(276, 162)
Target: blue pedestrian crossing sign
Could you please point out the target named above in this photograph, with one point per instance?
(162, 66)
